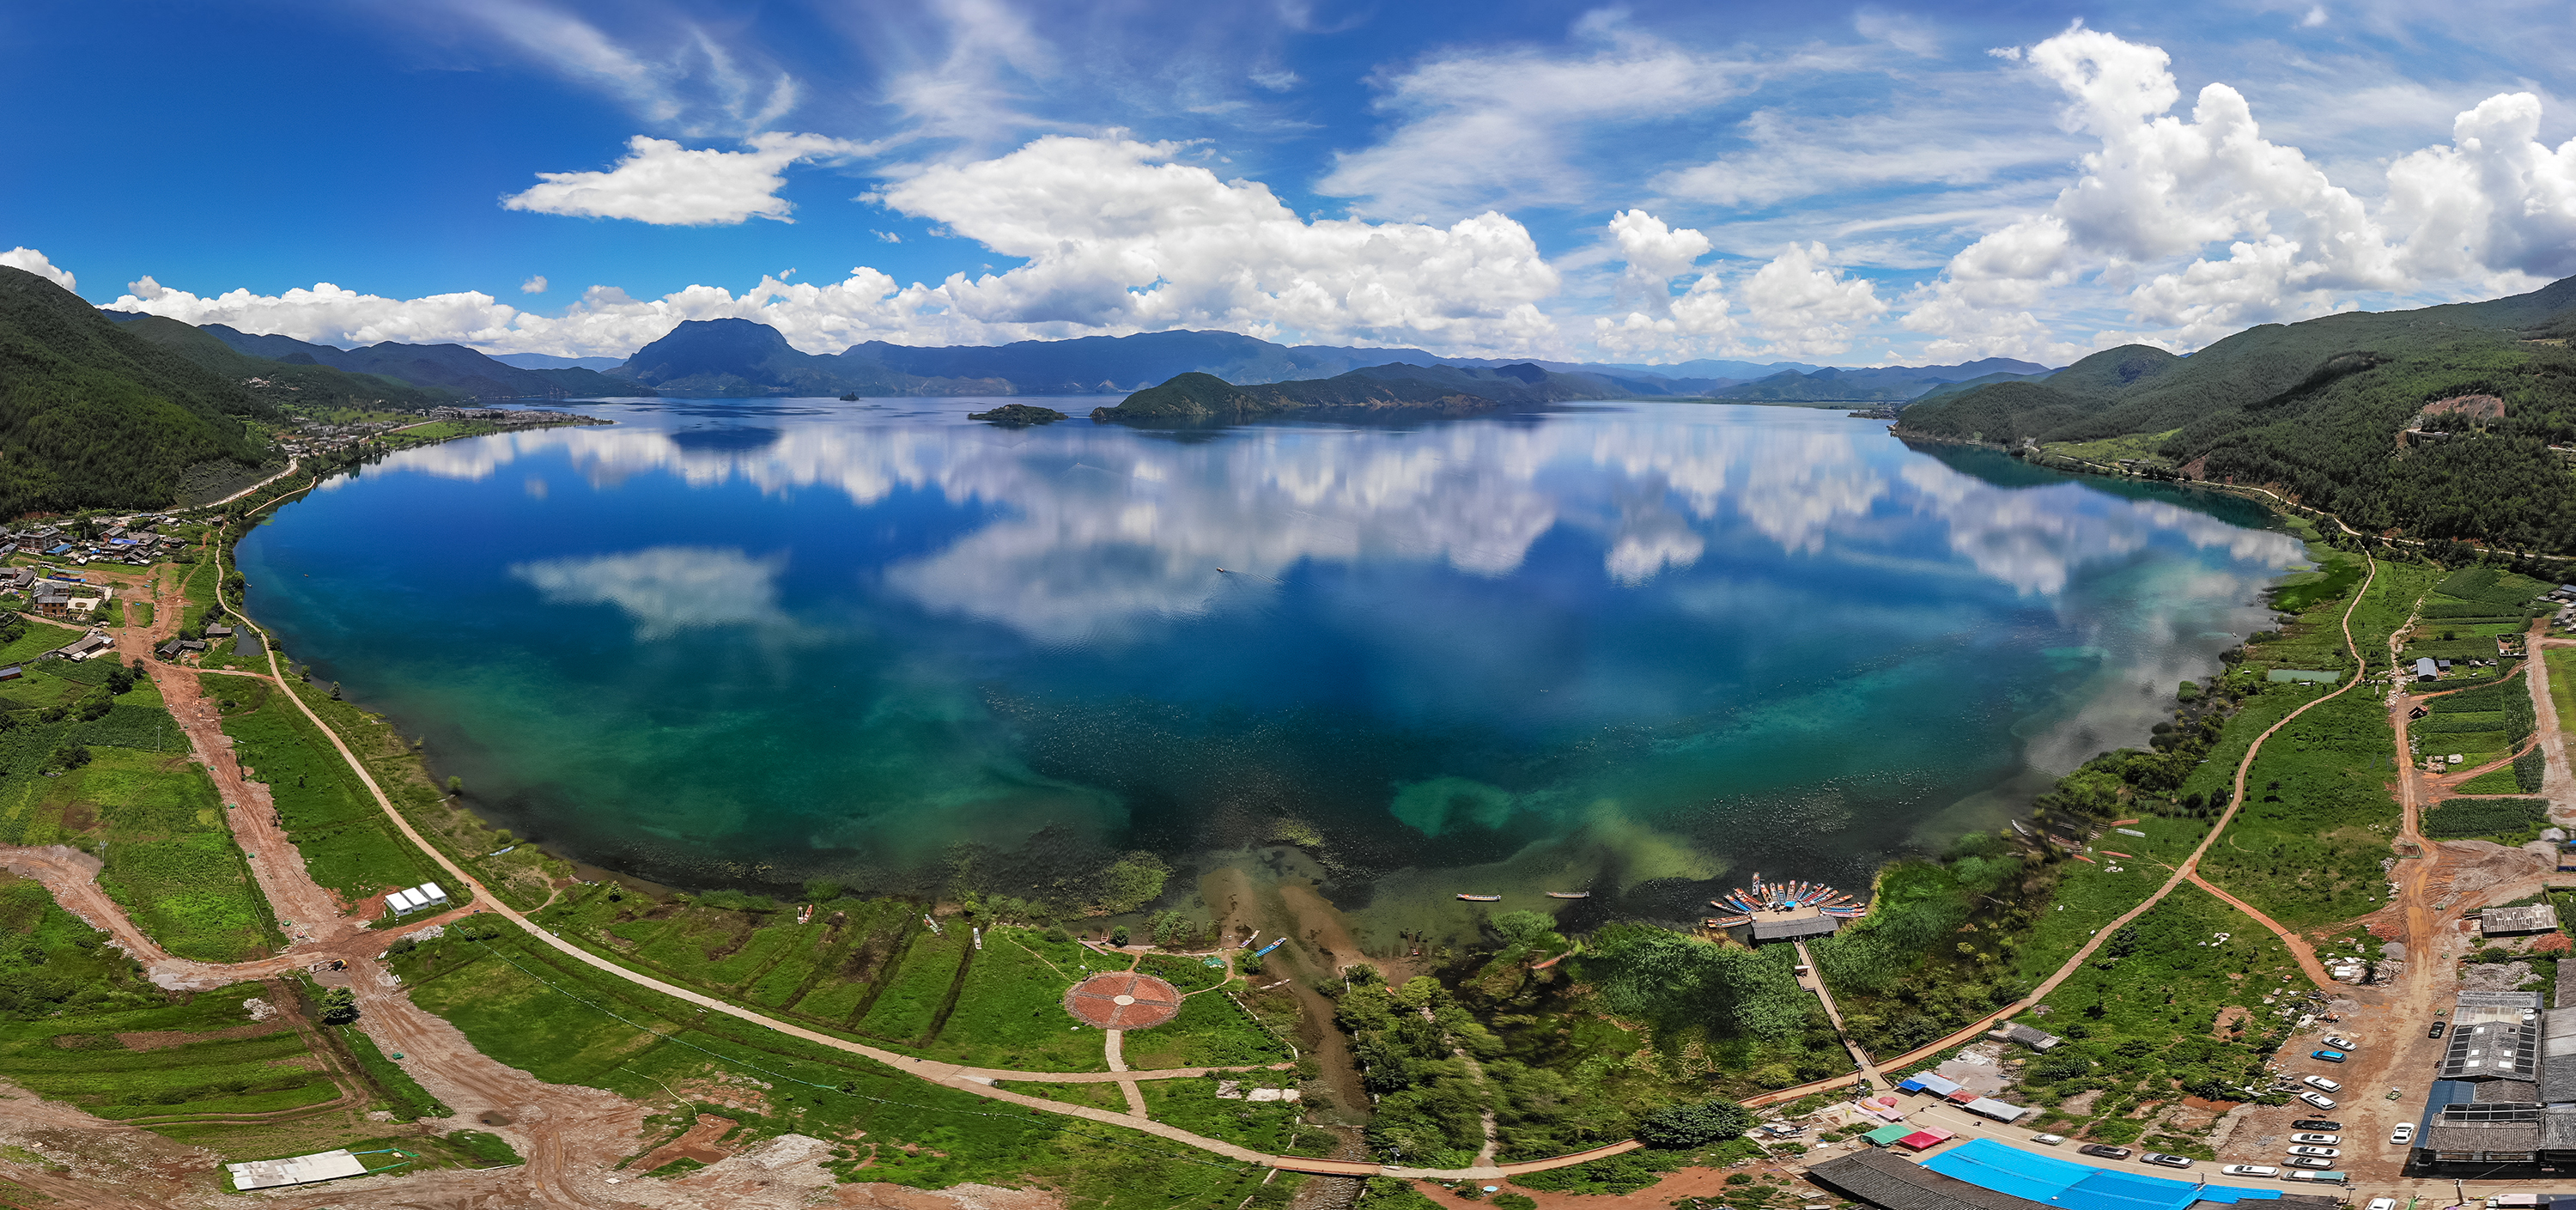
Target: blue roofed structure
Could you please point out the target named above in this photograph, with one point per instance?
(2050, 1181)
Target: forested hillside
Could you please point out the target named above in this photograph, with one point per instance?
(2320, 410)
(92, 416)
(1393, 389)
(450, 366)
(280, 383)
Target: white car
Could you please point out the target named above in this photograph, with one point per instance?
(2048, 1140)
(2323, 1153)
(2250, 1170)
(2405, 1133)
(2382, 1203)
(2322, 1084)
(2321, 1140)
(2340, 1042)
(2318, 1101)
(2331, 1178)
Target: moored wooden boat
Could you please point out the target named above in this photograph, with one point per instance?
(1728, 922)
(1569, 894)
(1480, 898)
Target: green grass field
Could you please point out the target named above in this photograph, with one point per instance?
(348, 844)
(2306, 847)
(157, 823)
(529, 1007)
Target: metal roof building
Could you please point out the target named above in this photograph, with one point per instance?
(2515, 921)
(1794, 930)
(295, 1170)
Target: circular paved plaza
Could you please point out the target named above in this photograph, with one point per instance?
(1122, 1000)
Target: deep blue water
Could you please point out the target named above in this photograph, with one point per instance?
(759, 641)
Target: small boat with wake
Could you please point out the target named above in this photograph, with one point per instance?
(1480, 898)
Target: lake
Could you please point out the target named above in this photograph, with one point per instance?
(1632, 647)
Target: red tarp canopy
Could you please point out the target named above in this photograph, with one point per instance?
(1921, 1139)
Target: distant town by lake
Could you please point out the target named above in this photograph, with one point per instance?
(1638, 648)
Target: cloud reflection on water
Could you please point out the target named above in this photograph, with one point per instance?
(1097, 532)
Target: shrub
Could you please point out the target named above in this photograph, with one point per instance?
(1695, 1124)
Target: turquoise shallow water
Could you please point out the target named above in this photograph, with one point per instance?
(751, 642)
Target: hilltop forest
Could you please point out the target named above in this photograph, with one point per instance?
(92, 416)
(2321, 410)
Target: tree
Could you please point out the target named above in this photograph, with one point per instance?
(455, 786)
(1118, 935)
(1695, 1124)
(339, 1005)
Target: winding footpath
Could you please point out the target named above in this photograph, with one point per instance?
(2188, 871)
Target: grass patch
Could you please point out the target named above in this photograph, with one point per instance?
(1011, 1011)
(2493, 781)
(2318, 817)
(1271, 1127)
(1210, 1031)
(403, 1096)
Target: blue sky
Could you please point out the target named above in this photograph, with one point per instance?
(1648, 182)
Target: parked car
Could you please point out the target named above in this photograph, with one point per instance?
(2323, 1153)
(2322, 1084)
(2169, 1161)
(2318, 1101)
(2330, 1056)
(2328, 1178)
(2321, 1140)
(2405, 1133)
(2104, 1150)
(2308, 1161)
(2436, 1030)
(2316, 1124)
(2048, 1140)
(2340, 1042)
(2382, 1203)
(2249, 1170)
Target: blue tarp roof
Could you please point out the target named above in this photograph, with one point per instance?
(2048, 1180)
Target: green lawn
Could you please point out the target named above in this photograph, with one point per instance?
(1011, 1011)
(1211, 1031)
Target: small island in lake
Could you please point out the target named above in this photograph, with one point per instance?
(1018, 415)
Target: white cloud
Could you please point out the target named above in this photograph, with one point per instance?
(2316, 17)
(1117, 238)
(1805, 306)
(1797, 305)
(1500, 128)
(34, 262)
(696, 86)
(660, 182)
(2495, 210)
(535, 284)
(1277, 81)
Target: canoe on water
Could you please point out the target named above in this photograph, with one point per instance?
(1569, 894)
(1480, 898)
